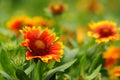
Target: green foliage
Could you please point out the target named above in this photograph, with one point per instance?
(6, 64)
(21, 75)
(82, 60)
(58, 69)
(5, 75)
(94, 73)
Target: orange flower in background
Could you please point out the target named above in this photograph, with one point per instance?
(114, 73)
(57, 8)
(81, 34)
(37, 21)
(16, 23)
(104, 31)
(40, 21)
(94, 6)
(42, 45)
(111, 56)
(28, 21)
(67, 34)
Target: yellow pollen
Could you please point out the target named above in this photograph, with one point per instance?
(39, 44)
(56, 7)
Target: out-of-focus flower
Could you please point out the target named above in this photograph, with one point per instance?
(111, 56)
(37, 21)
(57, 8)
(40, 21)
(90, 5)
(104, 31)
(16, 23)
(28, 21)
(43, 45)
(81, 34)
(67, 35)
(95, 6)
(114, 73)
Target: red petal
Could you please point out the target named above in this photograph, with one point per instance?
(31, 34)
(29, 55)
(56, 46)
(44, 34)
(50, 39)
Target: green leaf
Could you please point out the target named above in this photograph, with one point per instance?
(95, 62)
(94, 73)
(29, 69)
(50, 64)
(5, 75)
(21, 75)
(40, 69)
(98, 77)
(57, 69)
(82, 66)
(69, 54)
(5, 63)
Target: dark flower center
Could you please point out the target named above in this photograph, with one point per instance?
(39, 48)
(105, 31)
(39, 44)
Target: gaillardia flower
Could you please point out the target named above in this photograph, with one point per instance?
(115, 72)
(94, 6)
(16, 23)
(37, 21)
(43, 45)
(111, 56)
(57, 8)
(104, 31)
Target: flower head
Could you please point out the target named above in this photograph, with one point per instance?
(37, 21)
(40, 21)
(15, 24)
(104, 31)
(57, 8)
(81, 34)
(42, 45)
(111, 56)
(94, 6)
(115, 72)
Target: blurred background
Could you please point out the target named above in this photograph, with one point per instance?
(71, 23)
(77, 13)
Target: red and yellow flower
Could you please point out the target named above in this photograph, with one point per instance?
(40, 21)
(111, 56)
(57, 8)
(114, 73)
(94, 6)
(37, 21)
(104, 31)
(16, 23)
(43, 45)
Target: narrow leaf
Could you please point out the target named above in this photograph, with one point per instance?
(95, 62)
(5, 75)
(82, 66)
(5, 63)
(94, 73)
(21, 75)
(57, 69)
(30, 68)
